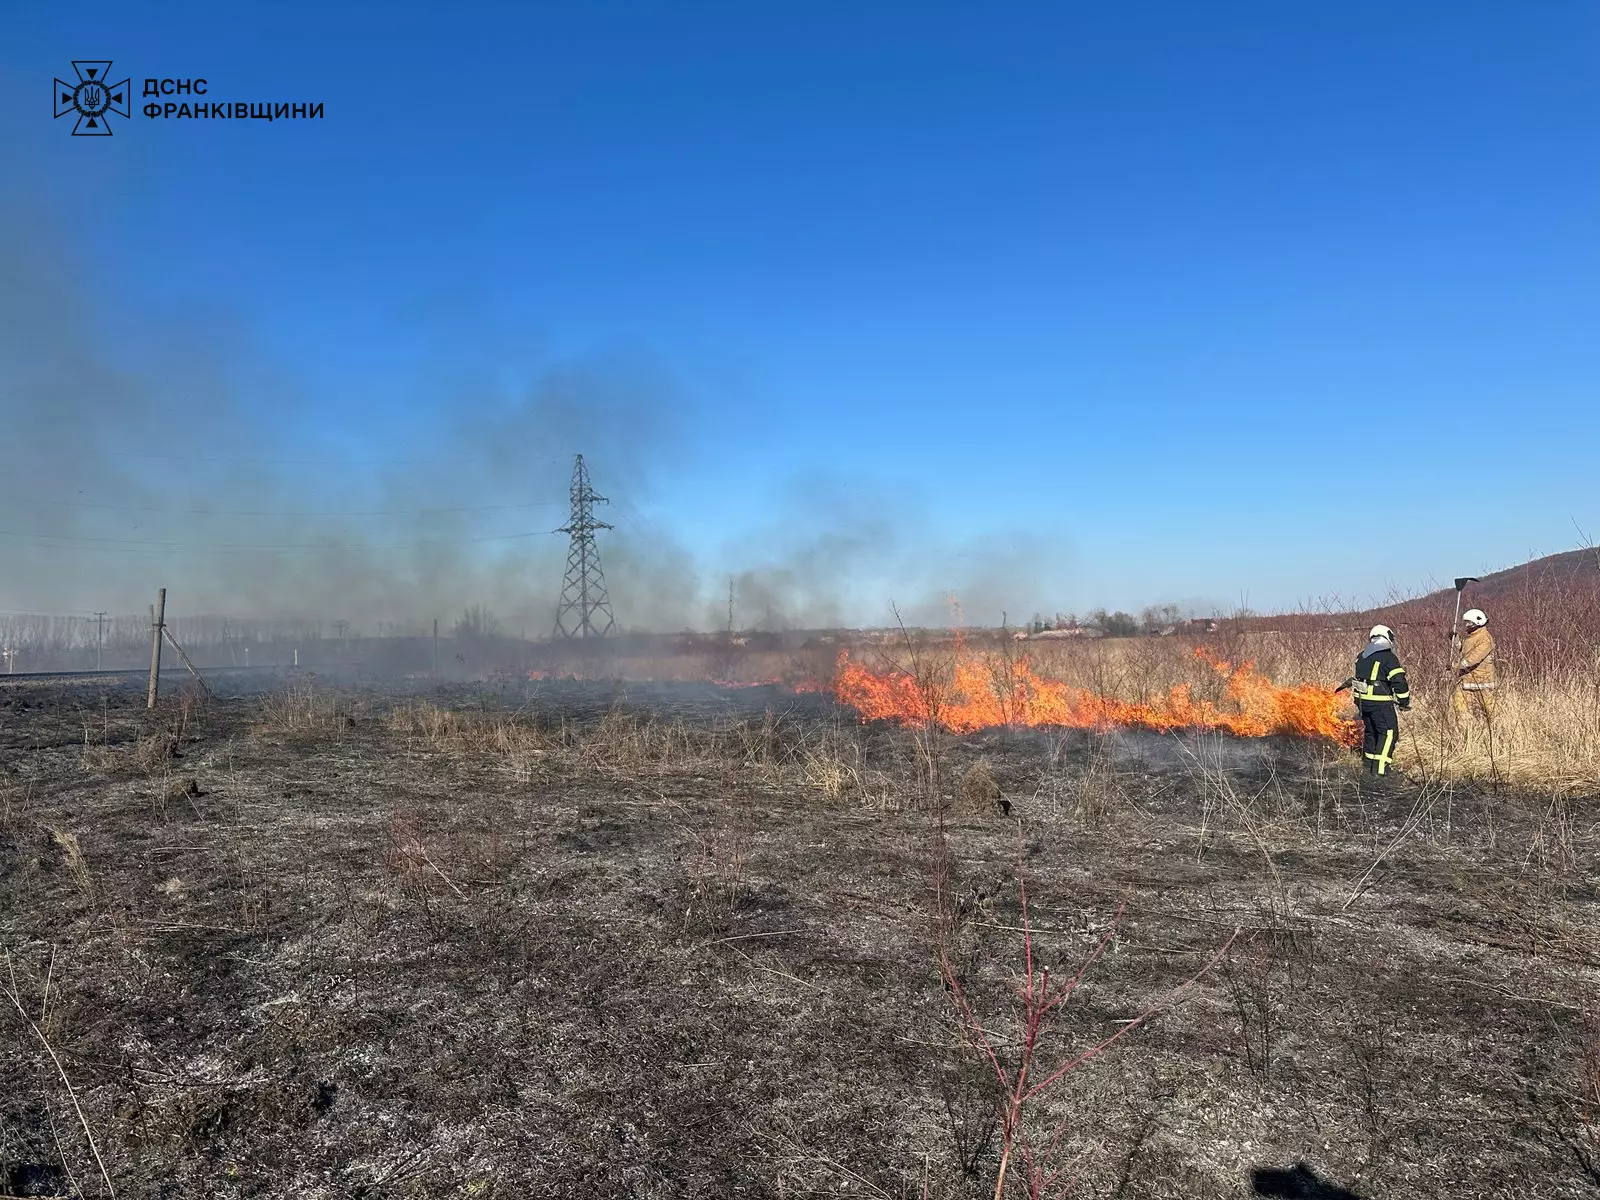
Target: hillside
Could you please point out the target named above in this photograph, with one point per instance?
(1566, 583)
(1572, 573)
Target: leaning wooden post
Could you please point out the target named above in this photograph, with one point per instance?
(157, 624)
(187, 662)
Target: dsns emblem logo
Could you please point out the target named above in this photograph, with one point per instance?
(93, 98)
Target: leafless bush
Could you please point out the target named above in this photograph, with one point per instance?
(1222, 801)
(966, 1094)
(182, 788)
(1024, 1064)
(977, 791)
(153, 753)
(915, 657)
(1097, 788)
(104, 759)
(410, 860)
(716, 878)
(515, 740)
(1262, 979)
(764, 744)
(635, 742)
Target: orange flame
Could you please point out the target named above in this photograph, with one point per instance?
(986, 694)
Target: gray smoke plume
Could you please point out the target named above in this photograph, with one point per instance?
(178, 454)
(129, 471)
(849, 551)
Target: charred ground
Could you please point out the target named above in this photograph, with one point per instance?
(595, 940)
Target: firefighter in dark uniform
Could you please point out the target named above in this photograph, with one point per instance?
(1380, 689)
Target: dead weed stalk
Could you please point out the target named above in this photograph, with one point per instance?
(1022, 1068)
(12, 993)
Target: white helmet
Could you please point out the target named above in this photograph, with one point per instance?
(1475, 617)
(1381, 631)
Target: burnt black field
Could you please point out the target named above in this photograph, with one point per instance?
(579, 940)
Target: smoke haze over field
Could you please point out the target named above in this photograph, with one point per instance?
(1100, 327)
(176, 455)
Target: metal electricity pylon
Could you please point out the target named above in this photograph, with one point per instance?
(585, 609)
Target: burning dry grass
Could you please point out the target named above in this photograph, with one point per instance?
(1545, 729)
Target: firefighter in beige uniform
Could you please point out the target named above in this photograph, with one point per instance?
(1475, 684)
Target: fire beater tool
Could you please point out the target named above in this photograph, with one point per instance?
(1455, 625)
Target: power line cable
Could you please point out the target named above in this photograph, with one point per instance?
(225, 512)
(53, 541)
(312, 462)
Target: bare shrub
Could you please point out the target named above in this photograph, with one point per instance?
(1588, 1089)
(103, 759)
(511, 740)
(1024, 1063)
(13, 805)
(827, 768)
(628, 741)
(917, 657)
(1088, 789)
(409, 857)
(716, 878)
(12, 992)
(425, 720)
(1262, 979)
(971, 1118)
(153, 753)
(184, 788)
(977, 792)
(1097, 787)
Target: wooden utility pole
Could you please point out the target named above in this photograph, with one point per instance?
(99, 637)
(157, 624)
(436, 647)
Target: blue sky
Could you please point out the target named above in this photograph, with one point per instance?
(1053, 307)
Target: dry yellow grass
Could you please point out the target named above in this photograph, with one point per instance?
(1545, 731)
(300, 709)
(1545, 734)
(976, 791)
(71, 854)
(830, 763)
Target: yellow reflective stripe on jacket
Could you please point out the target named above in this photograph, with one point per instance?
(1396, 671)
(1384, 757)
